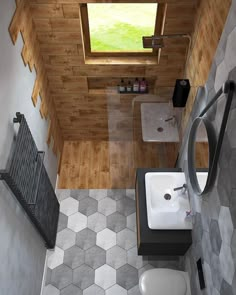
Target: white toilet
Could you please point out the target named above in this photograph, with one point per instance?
(163, 281)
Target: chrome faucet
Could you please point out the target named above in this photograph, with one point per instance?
(184, 186)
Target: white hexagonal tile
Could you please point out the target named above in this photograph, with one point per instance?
(225, 225)
(230, 51)
(55, 258)
(69, 206)
(116, 290)
(77, 222)
(126, 239)
(65, 239)
(105, 276)
(227, 263)
(107, 206)
(221, 75)
(106, 239)
(50, 290)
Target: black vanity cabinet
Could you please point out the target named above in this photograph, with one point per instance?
(156, 242)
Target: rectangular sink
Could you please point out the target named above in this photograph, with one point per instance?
(166, 208)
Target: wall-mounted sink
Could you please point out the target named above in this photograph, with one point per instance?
(166, 208)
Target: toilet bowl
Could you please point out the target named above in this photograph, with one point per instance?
(163, 281)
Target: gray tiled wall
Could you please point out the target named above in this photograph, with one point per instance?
(214, 232)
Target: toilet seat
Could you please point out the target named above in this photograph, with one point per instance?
(161, 281)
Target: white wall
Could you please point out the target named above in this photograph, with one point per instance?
(22, 251)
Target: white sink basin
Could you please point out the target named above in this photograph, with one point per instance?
(166, 208)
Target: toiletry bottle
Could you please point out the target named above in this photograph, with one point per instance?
(122, 86)
(136, 85)
(129, 87)
(143, 85)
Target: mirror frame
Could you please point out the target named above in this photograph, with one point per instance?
(228, 88)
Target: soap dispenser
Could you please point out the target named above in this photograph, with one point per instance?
(136, 85)
(143, 85)
(122, 86)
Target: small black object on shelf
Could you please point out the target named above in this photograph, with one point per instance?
(181, 92)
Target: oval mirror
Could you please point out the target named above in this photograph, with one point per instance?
(201, 148)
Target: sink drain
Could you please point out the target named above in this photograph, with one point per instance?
(167, 196)
(160, 129)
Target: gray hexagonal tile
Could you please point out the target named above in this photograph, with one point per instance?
(225, 225)
(69, 206)
(116, 194)
(225, 153)
(116, 257)
(216, 271)
(131, 222)
(62, 194)
(215, 236)
(61, 276)
(135, 260)
(126, 239)
(94, 290)
(95, 257)
(74, 257)
(86, 239)
(127, 276)
(50, 290)
(224, 186)
(230, 51)
(98, 194)
(134, 291)
(105, 276)
(221, 75)
(106, 206)
(231, 131)
(62, 222)
(79, 194)
(126, 206)
(130, 193)
(106, 239)
(71, 290)
(77, 222)
(233, 247)
(214, 204)
(88, 206)
(116, 290)
(97, 222)
(83, 276)
(55, 258)
(116, 222)
(227, 263)
(226, 289)
(232, 207)
(65, 239)
(206, 245)
(197, 230)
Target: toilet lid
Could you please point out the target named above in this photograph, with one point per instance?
(162, 282)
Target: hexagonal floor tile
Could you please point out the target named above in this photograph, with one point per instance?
(79, 194)
(131, 222)
(94, 290)
(130, 193)
(135, 260)
(126, 239)
(88, 206)
(116, 290)
(95, 257)
(126, 206)
(83, 276)
(215, 236)
(106, 206)
(77, 222)
(98, 194)
(97, 222)
(225, 225)
(116, 257)
(62, 194)
(74, 257)
(69, 206)
(56, 258)
(61, 276)
(227, 263)
(105, 276)
(106, 239)
(134, 291)
(116, 194)
(116, 222)
(65, 239)
(127, 276)
(232, 206)
(86, 239)
(50, 290)
(62, 222)
(71, 290)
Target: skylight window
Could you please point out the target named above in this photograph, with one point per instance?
(119, 27)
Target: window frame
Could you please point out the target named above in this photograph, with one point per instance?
(158, 30)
